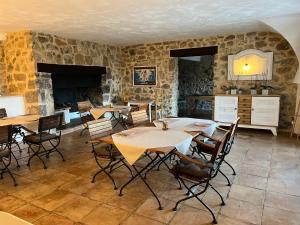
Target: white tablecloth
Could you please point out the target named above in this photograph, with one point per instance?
(189, 124)
(134, 142)
(8, 219)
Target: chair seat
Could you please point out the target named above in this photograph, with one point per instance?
(38, 138)
(190, 170)
(4, 153)
(102, 150)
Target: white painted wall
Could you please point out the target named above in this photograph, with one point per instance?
(288, 27)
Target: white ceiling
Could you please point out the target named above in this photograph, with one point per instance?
(140, 21)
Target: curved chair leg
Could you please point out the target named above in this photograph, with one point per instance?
(233, 170)
(224, 175)
(221, 197)
(36, 153)
(18, 166)
(196, 196)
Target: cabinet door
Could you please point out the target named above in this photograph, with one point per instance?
(225, 108)
(265, 111)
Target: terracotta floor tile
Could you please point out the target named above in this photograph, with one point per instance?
(150, 209)
(252, 195)
(9, 203)
(191, 216)
(54, 199)
(140, 220)
(273, 216)
(53, 219)
(105, 215)
(224, 220)
(77, 208)
(29, 213)
(254, 170)
(282, 201)
(251, 181)
(243, 211)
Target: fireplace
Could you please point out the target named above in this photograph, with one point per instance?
(73, 83)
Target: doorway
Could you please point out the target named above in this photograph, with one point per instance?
(195, 86)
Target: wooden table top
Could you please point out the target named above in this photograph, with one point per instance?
(19, 120)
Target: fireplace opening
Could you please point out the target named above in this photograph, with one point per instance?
(74, 83)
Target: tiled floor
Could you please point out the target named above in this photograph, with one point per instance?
(265, 191)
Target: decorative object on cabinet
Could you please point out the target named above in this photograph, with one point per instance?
(258, 112)
(250, 64)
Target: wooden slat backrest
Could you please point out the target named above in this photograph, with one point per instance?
(84, 106)
(139, 117)
(99, 128)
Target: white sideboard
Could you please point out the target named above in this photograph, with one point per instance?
(259, 111)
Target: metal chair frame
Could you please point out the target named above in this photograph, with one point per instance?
(5, 144)
(204, 182)
(55, 123)
(98, 129)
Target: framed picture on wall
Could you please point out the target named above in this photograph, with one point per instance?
(144, 76)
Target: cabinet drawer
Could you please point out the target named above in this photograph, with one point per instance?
(245, 105)
(245, 99)
(244, 110)
(245, 121)
(244, 116)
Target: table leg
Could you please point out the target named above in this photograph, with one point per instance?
(147, 168)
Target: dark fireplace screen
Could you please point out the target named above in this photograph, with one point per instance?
(73, 83)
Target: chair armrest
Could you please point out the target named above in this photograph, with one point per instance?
(222, 129)
(204, 145)
(208, 136)
(107, 140)
(196, 162)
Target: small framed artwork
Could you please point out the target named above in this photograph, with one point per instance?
(144, 76)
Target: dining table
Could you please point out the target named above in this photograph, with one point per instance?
(136, 142)
(19, 120)
(98, 112)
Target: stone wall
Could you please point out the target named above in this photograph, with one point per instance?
(284, 67)
(57, 50)
(20, 77)
(2, 70)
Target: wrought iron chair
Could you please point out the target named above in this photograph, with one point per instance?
(84, 113)
(199, 172)
(44, 135)
(5, 151)
(16, 130)
(204, 148)
(103, 148)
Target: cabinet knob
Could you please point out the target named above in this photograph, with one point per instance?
(252, 109)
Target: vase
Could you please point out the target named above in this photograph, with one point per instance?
(265, 91)
(253, 91)
(233, 91)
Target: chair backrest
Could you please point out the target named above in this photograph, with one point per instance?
(5, 135)
(3, 113)
(219, 147)
(99, 128)
(84, 106)
(50, 122)
(234, 128)
(139, 117)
